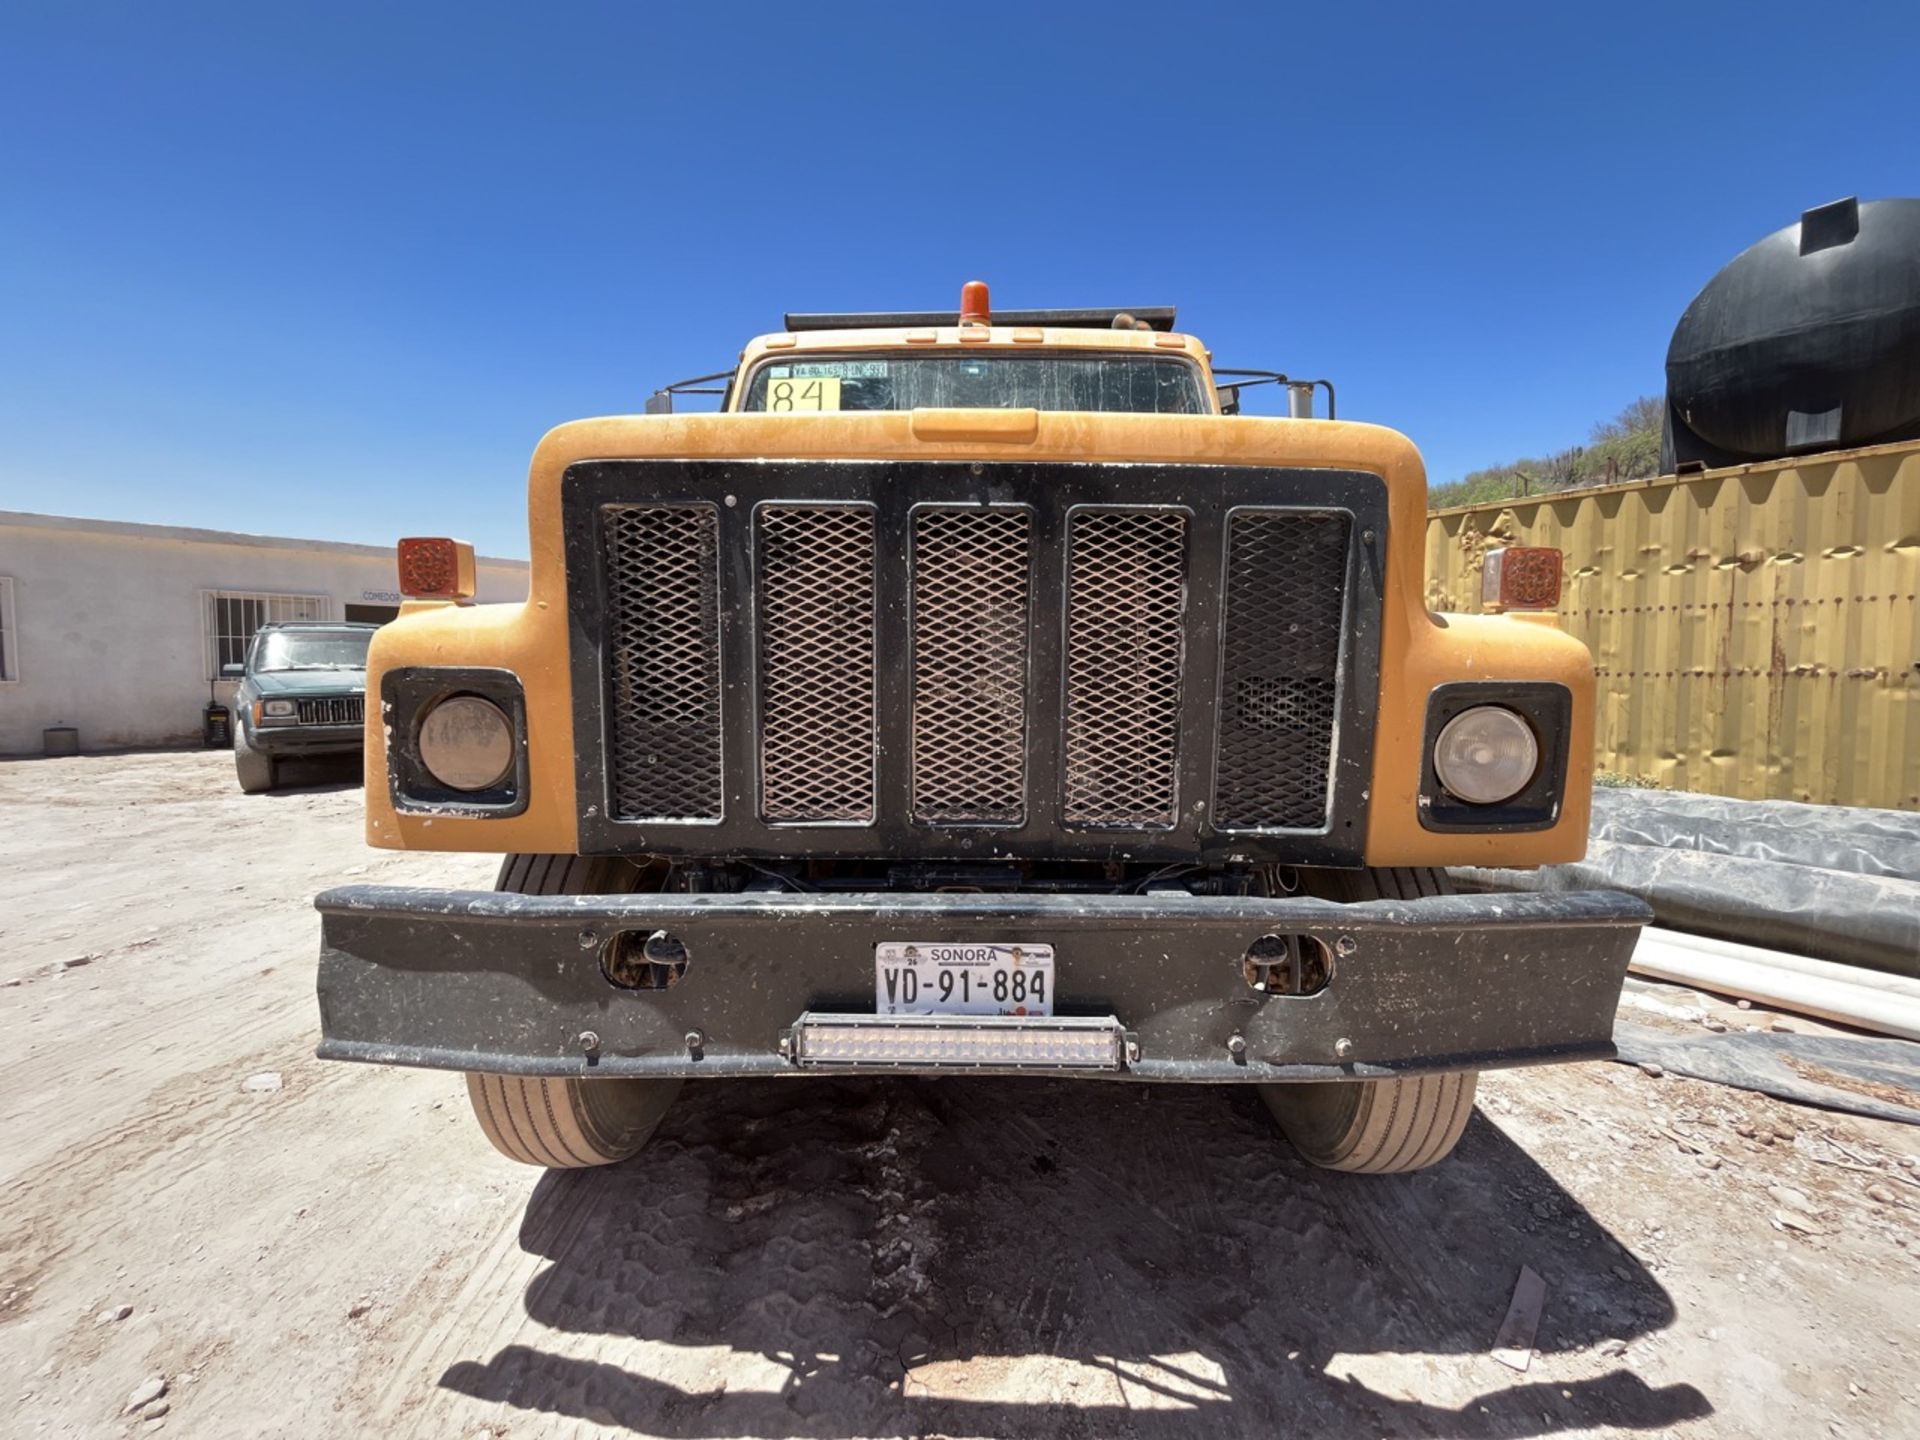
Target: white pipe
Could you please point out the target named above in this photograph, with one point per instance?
(1801, 964)
(1865, 1005)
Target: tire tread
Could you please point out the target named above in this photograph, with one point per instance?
(551, 1121)
(1381, 1127)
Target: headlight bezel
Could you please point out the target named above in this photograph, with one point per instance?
(276, 712)
(408, 695)
(1547, 709)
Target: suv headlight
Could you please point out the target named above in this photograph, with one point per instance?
(271, 712)
(1486, 755)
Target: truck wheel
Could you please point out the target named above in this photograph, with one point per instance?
(1380, 1127)
(568, 1123)
(255, 770)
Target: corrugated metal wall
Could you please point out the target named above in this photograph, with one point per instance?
(1756, 630)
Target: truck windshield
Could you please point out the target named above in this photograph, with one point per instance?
(312, 650)
(1137, 384)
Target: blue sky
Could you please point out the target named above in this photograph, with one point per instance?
(332, 270)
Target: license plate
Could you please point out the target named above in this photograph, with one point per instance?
(926, 978)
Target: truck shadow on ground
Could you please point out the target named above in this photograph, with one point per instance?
(1004, 1257)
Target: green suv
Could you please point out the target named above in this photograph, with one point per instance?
(303, 692)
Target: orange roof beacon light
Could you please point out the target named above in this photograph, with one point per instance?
(434, 568)
(1521, 577)
(974, 309)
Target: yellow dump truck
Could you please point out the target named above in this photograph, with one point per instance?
(975, 693)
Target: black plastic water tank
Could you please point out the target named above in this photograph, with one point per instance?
(1809, 340)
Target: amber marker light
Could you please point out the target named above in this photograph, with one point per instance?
(1521, 577)
(435, 568)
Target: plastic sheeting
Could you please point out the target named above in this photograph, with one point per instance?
(1862, 1076)
(1835, 883)
(1822, 837)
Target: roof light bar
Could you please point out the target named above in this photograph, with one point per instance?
(1155, 317)
(957, 1042)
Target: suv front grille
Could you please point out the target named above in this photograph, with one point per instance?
(331, 710)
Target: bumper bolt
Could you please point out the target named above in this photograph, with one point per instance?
(588, 939)
(1237, 1045)
(1343, 1047)
(589, 1043)
(1345, 945)
(696, 1042)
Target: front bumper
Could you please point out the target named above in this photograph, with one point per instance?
(511, 983)
(283, 740)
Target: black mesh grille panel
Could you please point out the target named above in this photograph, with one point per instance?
(1280, 657)
(970, 627)
(814, 566)
(1126, 642)
(663, 661)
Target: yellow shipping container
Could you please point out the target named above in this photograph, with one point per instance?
(1754, 628)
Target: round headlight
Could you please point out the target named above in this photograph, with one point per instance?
(466, 743)
(1486, 755)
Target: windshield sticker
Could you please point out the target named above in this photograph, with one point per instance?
(799, 393)
(841, 369)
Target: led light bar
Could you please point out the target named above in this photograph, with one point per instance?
(957, 1042)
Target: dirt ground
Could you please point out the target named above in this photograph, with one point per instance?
(296, 1248)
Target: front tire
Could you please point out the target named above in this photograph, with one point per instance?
(1376, 1127)
(568, 1123)
(254, 769)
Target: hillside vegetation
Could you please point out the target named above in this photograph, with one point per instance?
(1626, 447)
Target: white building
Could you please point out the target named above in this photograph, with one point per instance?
(120, 630)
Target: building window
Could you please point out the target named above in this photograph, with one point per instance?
(9, 635)
(233, 617)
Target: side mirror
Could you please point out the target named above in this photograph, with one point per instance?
(233, 672)
(660, 402)
(1229, 398)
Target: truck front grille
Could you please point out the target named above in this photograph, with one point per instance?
(663, 659)
(814, 569)
(1126, 641)
(985, 661)
(331, 710)
(971, 616)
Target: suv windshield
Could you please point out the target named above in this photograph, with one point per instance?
(312, 650)
(1140, 384)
